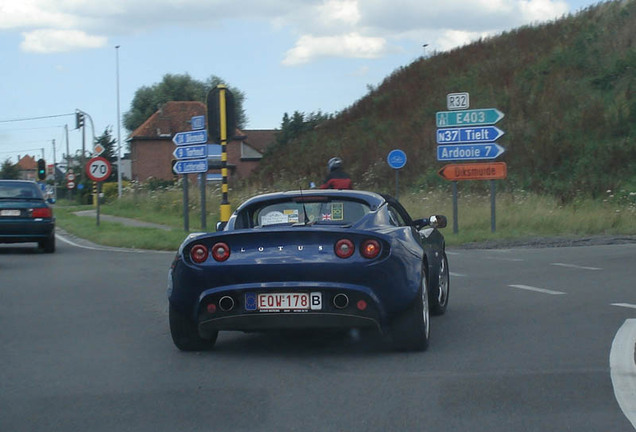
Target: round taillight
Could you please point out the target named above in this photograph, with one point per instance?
(370, 248)
(199, 253)
(220, 252)
(344, 248)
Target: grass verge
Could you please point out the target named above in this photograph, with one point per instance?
(517, 216)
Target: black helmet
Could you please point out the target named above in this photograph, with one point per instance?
(334, 163)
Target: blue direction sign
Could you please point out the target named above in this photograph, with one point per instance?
(197, 122)
(472, 117)
(191, 166)
(396, 159)
(469, 152)
(191, 137)
(196, 151)
(478, 134)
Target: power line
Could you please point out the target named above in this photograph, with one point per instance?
(32, 128)
(36, 118)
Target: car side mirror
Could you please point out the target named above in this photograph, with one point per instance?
(438, 221)
(220, 226)
(435, 221)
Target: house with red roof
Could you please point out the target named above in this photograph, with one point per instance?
(152, 148)
(28, 167)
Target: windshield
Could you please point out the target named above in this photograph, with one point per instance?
(336, 212)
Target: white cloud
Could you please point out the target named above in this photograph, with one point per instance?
(322, 28)
(455, 38)
(52, 41)
(339, 12)
(540, 10)
(351, 45)
(32, 13)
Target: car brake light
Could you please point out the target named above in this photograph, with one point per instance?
(198, 253)
(344, 248)
(220, 251)
(370, 248)
(42, 212)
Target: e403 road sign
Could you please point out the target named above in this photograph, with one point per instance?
(473, 117)
(474, 171)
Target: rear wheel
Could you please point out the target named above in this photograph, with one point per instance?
(439, 295)
(185, 333)
(411, 330)
(48, 245)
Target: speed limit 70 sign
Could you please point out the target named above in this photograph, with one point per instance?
(98, 169)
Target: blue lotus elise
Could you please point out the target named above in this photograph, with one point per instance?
(318, 259)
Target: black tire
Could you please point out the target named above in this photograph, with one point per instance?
(185, 333)
(411, 330)
(439, 295)
(48, 245)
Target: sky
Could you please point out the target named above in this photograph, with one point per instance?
(58, 56)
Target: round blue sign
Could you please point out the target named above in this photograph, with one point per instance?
(396, 159)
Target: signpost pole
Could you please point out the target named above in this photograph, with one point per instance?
(225, 204)
(492, 206)
(186, 220)
(99, 190)
(396, 160)
(455, 212)
(397, 184)
(203, 180)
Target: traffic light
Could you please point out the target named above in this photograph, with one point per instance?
(79, 119)
(41, 169)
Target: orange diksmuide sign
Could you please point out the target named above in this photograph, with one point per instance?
(474, 171)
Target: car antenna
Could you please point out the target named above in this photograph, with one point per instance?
(302, 198)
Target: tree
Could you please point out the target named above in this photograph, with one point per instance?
(110, 153)
(9, 170)
(293, 127)
(177, 88)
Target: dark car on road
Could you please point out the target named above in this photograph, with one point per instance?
(328, 259)
(25, 215)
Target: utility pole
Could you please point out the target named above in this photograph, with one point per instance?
(119, 188)
(68, 156)
(54, 174)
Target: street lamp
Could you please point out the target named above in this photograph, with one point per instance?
(119, 191)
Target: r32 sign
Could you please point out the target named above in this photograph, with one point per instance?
(457, 101)
(98, 169)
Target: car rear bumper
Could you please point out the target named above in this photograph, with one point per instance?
(21, 232)
(287, 320)
(342, 306)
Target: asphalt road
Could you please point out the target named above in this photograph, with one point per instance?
(525, 346)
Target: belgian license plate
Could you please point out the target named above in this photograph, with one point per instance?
(289, 301)
(9, 212)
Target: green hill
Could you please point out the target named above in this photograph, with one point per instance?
(567, 89)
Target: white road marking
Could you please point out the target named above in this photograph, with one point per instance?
(625, 305)
(505, 259)
(574, 266)
(457, 274)
(108, 248)
(623, 369)
(535, 289)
